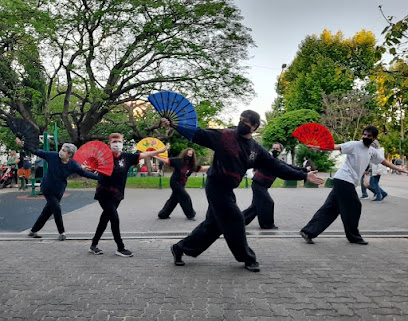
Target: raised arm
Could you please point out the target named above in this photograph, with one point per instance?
(164, 160)
(392, 166)
(39, 152)
(154, 153)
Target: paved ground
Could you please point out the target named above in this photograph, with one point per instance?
(331, 280)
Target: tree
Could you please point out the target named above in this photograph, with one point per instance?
(346, 115)
(106, 53)
(281, 128)
(327, 64)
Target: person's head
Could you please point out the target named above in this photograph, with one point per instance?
(305, 158)
(116, 142)
(13, 153)
(188, 155)
(277, 148)
(370, 133)
(67, 151)
(249, 121)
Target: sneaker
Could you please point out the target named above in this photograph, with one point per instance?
(252, 266)
(124, 253)
(94, 250)
(34, 235)
(177, 254)
(62, 237)
(191, 218)
(365, 197)
(274, 227)
(306, 237)
(384, 196)
(376, 200)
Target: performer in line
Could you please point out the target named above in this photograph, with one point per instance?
(262, 204)
(60, 167)
(343, 198)
(184, 166)
(110, 192)
(235, 152)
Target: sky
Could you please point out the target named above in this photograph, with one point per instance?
(279, 26)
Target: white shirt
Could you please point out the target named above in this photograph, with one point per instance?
(379, 169)
(357, 160)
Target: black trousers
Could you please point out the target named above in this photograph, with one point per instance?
(262, 206)
(343, 200)
(223, 217)
(109, 214)
(180, 196)
(52, 207)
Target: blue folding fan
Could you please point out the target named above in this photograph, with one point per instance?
(178, 110)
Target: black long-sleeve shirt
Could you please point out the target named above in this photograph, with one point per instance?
(265, 178)
(234, 154)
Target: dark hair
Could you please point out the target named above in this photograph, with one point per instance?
(183, 154)
(372, 129)
(253, 117)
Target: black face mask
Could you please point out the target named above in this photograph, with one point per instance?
(367, 141)
(275, 153)
(188, 158)
(243, 129)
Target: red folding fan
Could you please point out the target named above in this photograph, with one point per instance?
(96, 155)
(314, 135)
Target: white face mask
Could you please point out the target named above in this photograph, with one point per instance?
(62, 154)
(116, 147)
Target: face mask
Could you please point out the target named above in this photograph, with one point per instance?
(275, 153)
(243, 129)
(116, 147)
(367, 141)
(62, 154)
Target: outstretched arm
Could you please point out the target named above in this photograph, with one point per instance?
(154, 153)
(203, 168)
(164, 160)
(392, 166)
(39, 152)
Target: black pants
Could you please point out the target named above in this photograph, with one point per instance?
(52, 207)
(262, 206)
(343, 200)
(180, 196)
(223, 217)
(109, 213)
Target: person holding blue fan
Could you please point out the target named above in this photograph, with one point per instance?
(234, 152)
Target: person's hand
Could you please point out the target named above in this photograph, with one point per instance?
(403, 169)
(313, 178)
(165, 122)
(87, 169)
(167, 146)
(312, 147)
(19, 142)
(308, 168)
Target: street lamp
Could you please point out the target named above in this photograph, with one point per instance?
(278, 90)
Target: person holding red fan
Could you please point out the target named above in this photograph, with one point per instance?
(343, 198)
(60, 166)
(110, 192)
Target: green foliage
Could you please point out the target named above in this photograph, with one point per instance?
(326, 64)
(280, 129)
(320, 159)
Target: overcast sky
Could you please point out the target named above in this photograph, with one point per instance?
(278, 27)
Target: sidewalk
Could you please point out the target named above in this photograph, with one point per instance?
(332, 280)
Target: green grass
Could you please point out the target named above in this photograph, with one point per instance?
(153, 182)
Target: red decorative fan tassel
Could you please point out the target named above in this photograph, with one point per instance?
(96, 155)
(314, 135)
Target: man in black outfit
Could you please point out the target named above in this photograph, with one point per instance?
(262, 204)
(111, 190)
(235, 152)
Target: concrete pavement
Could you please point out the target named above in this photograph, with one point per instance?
(332, 280)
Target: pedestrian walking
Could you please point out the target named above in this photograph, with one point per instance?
(378, 170)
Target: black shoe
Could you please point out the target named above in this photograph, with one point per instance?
(124, 253)
(34, 235)
(252, 266)
(94, 250)
(163, 218)
(361, 242)
(274, 227)
(177, 254)
(62, 237)
(306, 237)
(192, 218)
